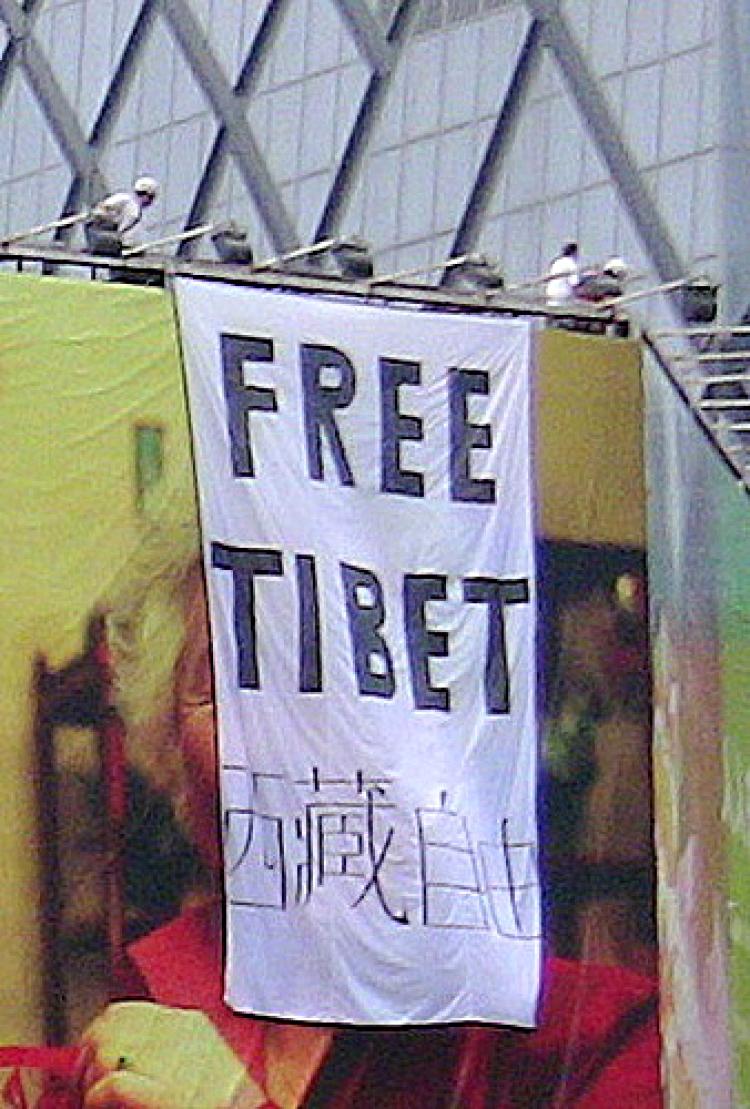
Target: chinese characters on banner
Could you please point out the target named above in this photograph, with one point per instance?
(365, 495)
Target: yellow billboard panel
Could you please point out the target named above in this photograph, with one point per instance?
(91, 417)
(589, 446)
(94, 448)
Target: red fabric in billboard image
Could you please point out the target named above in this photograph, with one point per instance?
(597, 1041)
(40, 1077)
(596, 1045)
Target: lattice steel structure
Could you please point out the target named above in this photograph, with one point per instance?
(427, 126)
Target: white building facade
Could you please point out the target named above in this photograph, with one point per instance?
(429, 127)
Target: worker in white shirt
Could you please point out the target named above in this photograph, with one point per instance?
(114, 216)
(563, 275)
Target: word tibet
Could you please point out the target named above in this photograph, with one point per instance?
(363, 602)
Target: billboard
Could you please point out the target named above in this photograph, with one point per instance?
(112, 924)
(686, 568)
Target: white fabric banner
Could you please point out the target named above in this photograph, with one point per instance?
(365, 493)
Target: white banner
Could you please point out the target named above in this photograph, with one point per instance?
(365, 492)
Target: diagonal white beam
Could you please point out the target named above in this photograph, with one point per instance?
(55, 106)
(506, 124)
(10, 54)
(11, 49)
(368, 34)
(124, 74)
(121, 82)
(244, 87)
(228, 110)
(605, 131)
(368, 114)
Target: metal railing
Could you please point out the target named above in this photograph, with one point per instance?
(155, 269)
(710, 368)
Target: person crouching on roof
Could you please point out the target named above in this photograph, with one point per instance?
(116, 215)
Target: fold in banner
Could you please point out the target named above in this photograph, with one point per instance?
(365, 492)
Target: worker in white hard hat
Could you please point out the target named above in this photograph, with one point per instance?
(616, 267)
(114, 216)
(603, 282)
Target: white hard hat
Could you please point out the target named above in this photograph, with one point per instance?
(616, 266)
(146, 185)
